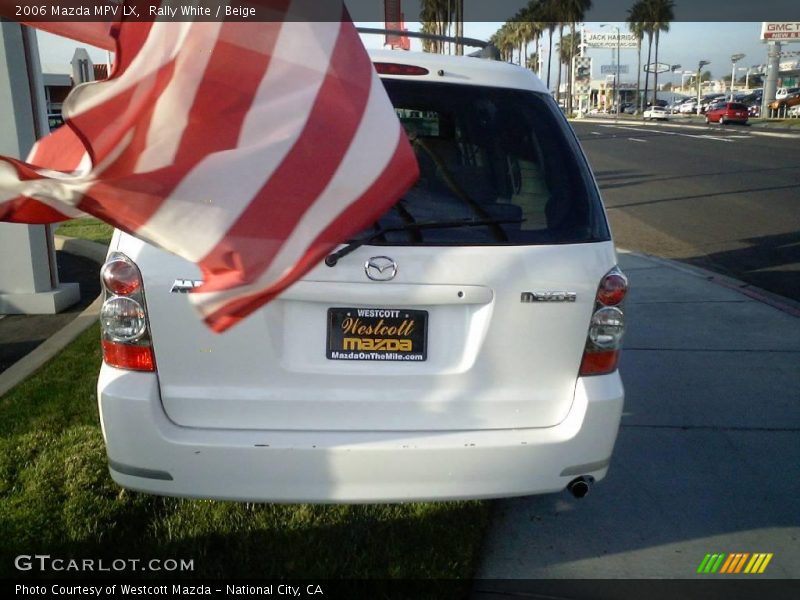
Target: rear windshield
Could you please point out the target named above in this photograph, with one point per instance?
(489, 153)
(736, 106)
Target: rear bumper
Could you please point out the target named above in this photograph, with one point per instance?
(148, 452)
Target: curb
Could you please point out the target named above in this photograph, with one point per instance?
(754, 129)
(782, 303)
(33, 361)
(91, 250)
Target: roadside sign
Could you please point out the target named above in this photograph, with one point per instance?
(582, 68)
(602, 39)
(780, 31)
(606, 69)
(657, 68)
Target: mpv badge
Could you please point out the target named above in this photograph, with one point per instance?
(380, 268)
(548, 297)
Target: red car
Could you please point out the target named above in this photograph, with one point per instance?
(727, 112)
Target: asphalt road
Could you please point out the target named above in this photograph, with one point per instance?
(723, 198)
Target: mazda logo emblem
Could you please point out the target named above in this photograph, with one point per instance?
(380, 268)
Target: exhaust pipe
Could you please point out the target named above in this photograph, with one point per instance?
(579, 486)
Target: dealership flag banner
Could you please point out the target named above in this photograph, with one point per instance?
(249, 148)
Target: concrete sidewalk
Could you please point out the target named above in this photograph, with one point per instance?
(707, 455)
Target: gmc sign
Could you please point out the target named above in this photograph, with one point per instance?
(781, 32)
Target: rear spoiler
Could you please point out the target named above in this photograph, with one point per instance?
(485, 50)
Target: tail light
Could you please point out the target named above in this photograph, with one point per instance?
(607, 326)
(399, 69)
(123, 318)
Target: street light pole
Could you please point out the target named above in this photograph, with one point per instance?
(734, 59)
(683, 82)
(700, 66)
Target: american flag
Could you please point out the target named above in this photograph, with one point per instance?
(251, 149)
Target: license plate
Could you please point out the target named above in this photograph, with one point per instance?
(377, 334)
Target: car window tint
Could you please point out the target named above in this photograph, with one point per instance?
(490, 153)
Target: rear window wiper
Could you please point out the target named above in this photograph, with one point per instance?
(334, 257)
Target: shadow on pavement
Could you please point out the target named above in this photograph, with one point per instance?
(20, 334)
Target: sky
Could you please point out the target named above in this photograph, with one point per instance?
(685, 44)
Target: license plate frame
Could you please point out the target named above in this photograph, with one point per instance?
(377, 334)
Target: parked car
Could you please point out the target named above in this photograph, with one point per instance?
(656, 112)
(464, 345)
(784, 92)
(716, 104)
(792, 99)
(727, 112)
(675, 107)
(754, 110)
(689, 107)
(794, 111)
(709, 99)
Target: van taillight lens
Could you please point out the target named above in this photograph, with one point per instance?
(606, 327)
(123, 317)
(613, 288)
(398, 69)
(128, 356)
(120, 277)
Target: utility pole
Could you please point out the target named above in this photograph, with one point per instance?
(771, 83)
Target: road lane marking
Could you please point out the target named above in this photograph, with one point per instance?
(595, 133)
(790, 136)
(689, 135)
(714, 137)
(637, 140)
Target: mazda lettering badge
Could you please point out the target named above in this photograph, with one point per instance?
(380, 268)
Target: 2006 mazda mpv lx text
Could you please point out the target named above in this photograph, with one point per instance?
(465, 346)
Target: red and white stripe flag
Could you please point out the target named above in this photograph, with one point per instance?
(251, 149)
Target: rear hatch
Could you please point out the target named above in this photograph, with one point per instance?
(431, 324)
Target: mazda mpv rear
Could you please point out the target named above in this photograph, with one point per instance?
(463, 346)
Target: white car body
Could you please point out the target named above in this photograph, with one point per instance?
(261, 413)
(688, 107)
(784, 92)
(656, 112)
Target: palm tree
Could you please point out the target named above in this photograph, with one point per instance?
(572, 12)
(516, 34)
(544, 13)
(533, 61)
(560, 64)
(436, 18)
(639, 14)
(568, 47)
(503, 41)
(637, 28)
(458, 14)
(661, 14)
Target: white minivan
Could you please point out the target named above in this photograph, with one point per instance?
(463, 346)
